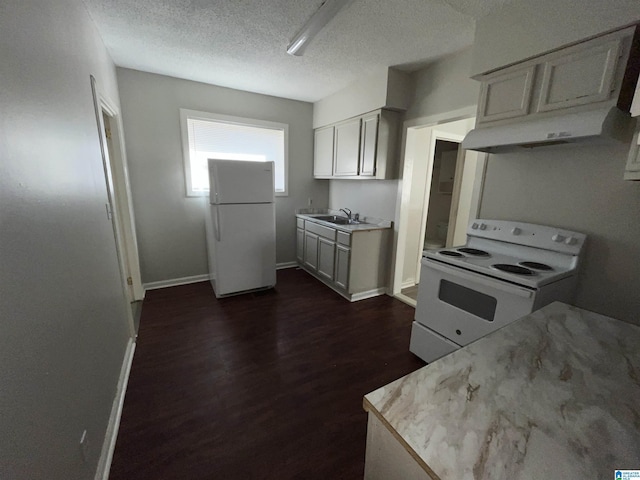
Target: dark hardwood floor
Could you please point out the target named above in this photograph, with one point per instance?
(259, 386)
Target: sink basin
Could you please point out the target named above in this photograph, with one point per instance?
(337, 220)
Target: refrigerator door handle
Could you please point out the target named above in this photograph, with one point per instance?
(216, 187)
(218, 224)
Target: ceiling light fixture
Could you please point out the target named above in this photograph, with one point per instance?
(316, 23)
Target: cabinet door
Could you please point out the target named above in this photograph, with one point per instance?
(347, 151)
(326, 257)
(369, 145)
(585, 74)
(506, 94)
(343, 255)
(300, 245)
(311, 250)
(323, 152)
(632, 171)
(635, 105)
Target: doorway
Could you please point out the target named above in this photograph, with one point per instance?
(119, 209)
(442, 186)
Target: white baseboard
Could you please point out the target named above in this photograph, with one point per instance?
(404, 299)
(368, 294)
(408, 283)
(280, 266)
(109, 444)
(174, 282)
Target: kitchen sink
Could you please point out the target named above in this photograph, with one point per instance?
(336, 219)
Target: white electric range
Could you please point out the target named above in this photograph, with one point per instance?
(506, 270)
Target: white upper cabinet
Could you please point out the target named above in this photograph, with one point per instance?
(323, 152)
(362, 147)
(579, 75)
(347, 150)
(587, 75)
(506, 94)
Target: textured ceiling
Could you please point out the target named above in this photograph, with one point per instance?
(242, 43)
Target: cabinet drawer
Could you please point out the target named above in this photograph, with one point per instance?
(344, 238)
(299, 223)
(321, 230)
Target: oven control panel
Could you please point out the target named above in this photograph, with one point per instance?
(538, 236)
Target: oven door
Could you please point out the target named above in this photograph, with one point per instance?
(464, 306)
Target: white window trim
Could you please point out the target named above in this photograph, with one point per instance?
(251, 122)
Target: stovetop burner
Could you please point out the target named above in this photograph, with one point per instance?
(536, 266)
(474, 251)
(450, 253)
(505, 267)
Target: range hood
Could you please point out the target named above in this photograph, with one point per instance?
(602, 126)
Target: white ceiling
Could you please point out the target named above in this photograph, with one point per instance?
(242, 43)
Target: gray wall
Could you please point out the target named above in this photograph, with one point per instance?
(441, 87)
(64, 326)
(375, 198)
(522, 28)
(444, 86)
(575, 187)
(170, 226)
(579, 188)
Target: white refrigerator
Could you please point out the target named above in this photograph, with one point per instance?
(241, 226)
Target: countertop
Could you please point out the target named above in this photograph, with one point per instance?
(368, 223)
(554, 395)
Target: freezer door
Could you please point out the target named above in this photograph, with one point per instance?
(244, 241)
(234, 181)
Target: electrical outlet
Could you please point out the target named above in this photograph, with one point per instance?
(84, 446)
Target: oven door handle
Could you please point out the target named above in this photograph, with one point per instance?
(453, 271)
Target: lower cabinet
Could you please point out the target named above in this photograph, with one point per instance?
(353, 263)
(326, 257)
(342, 266)
(300, 244)
(311, 250)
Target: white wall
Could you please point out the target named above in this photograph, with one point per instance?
(524, 29)
(64, 323)
(170, 226)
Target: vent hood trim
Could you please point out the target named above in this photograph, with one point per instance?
(600, 126)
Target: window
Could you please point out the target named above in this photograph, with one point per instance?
(207, 135)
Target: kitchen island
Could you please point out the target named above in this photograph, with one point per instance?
(554, 395)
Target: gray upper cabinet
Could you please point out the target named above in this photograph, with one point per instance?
(323, 152)
(347, 148)
(579, 75)
(364, 147)
(506, 94)
(575, 78)
(369, 145)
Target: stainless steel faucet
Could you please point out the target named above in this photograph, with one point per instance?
(347, 212)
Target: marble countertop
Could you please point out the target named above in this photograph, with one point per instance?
(554, 395)
(368, 223)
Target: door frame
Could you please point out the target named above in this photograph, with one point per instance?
(401, 216)
(119, 196)
(447, 137)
